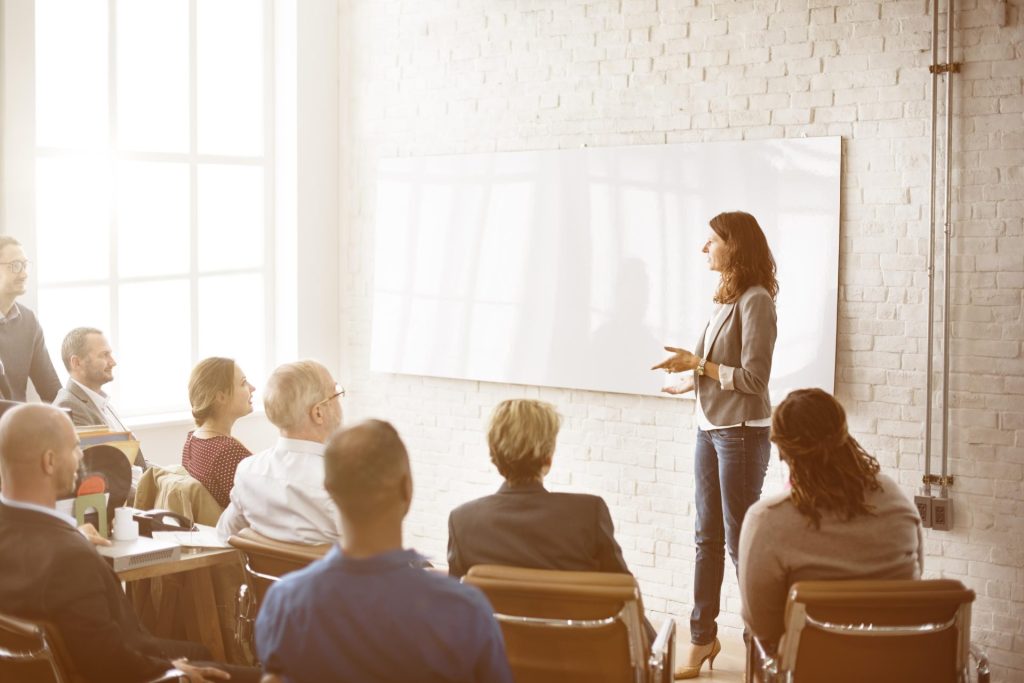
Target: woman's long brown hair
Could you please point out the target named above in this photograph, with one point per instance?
(829, 471)
(748, 261)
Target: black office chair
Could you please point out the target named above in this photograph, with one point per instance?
(32, 652)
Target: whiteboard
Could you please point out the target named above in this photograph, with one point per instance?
(573, 268)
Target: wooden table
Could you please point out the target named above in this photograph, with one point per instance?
(201, 619)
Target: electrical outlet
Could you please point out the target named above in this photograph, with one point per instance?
(924, 508)
(942, 513)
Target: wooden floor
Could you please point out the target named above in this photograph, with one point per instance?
(729, 663)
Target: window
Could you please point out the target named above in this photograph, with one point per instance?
(154, 186)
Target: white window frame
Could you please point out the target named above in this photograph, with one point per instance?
(301, 107)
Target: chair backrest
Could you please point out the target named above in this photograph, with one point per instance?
(877, 630)
(27, 653)
(33, 652)
(566, 627)
(267, 560)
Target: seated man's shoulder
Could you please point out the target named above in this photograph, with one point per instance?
(452, 595)
(255, 462)
(580, 500)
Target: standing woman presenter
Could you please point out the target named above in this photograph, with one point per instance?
(730, 370)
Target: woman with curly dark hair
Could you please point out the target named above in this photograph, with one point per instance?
(841, 519)
(731, 365)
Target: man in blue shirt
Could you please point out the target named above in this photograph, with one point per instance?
(368, 611)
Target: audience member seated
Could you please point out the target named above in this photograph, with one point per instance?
(52, 573)
(523, 524)
(841, 518)
(219, 394)
(280, 491)
(369, 611)
(23, 354)
(90, 363)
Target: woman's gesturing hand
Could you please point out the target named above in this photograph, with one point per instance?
(683, 386)
(681, 361)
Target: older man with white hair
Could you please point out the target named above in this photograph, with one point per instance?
(280, 492)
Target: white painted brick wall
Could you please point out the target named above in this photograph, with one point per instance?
(447, 76)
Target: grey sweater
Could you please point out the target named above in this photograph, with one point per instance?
(778, 548)
(24, 355)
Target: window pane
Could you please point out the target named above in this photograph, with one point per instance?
(230, 76)
(152, 75)
(152, 219)
(72, 219)
(62, 309)
(230, 217)
(231, 321)
(154, 347)
(71, 73)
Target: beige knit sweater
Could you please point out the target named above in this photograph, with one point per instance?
(778, 547)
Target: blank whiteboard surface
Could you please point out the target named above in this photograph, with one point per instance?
(573, 268)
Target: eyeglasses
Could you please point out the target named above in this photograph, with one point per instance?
(16, 266)
(339, 392)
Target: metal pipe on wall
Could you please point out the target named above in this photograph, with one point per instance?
(931, 253)
(946, 332)
(948, 68)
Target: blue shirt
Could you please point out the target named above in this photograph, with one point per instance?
(378, 619)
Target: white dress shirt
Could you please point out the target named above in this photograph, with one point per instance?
(280, 494)
(38, 508)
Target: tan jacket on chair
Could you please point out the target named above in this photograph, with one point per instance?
(172, 488)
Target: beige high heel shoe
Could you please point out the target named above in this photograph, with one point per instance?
(690, 665)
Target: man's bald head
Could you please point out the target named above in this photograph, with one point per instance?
(366, 471)
(38, 449)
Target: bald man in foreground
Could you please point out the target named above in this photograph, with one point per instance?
(368, 611)
(50, 572)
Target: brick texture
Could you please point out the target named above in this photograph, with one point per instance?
(447, 76)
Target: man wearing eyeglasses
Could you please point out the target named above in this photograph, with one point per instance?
(280, 492)
(22, 348)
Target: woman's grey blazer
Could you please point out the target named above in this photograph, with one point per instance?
(744, 341)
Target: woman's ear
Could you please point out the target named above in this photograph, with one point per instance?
(546, 467)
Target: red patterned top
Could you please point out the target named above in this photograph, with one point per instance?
(213, 462)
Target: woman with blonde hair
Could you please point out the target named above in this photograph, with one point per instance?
(220, 394)
(841, 518)
(731, 365)
(524, 524)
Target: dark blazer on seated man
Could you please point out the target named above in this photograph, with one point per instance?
(525, 525)
(52, 573)
(83, 411)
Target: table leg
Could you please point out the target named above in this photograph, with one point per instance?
(201, 615)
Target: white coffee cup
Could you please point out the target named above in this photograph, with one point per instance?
(125, 528)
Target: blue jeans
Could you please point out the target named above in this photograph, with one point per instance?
(729, 465)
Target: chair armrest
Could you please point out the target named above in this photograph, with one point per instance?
(170, 676)
(763, 667)
(661, 662)
(980, 663)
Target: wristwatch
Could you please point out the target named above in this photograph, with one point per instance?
(699, 370)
